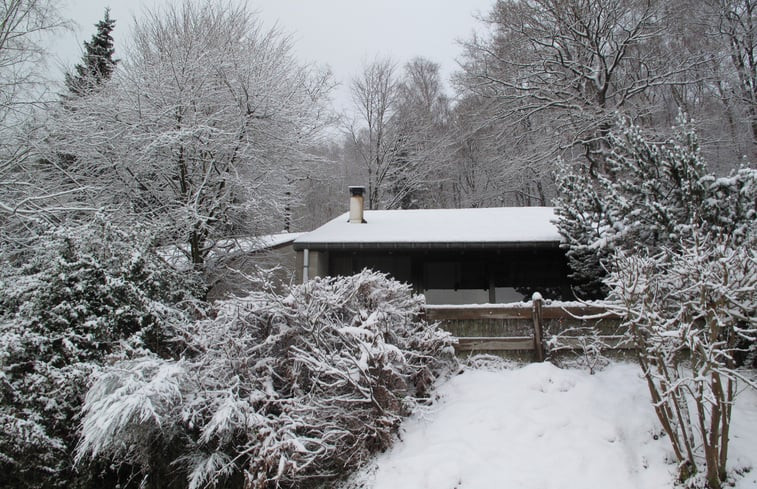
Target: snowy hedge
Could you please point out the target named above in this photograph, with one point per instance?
(275, 390)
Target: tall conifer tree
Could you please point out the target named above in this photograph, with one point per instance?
(97, 63)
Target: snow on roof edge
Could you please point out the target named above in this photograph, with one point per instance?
(480, 227)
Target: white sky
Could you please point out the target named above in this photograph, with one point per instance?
(343, 34)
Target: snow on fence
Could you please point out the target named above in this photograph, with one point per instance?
(537, 326)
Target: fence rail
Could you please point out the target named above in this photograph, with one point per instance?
(528, 327)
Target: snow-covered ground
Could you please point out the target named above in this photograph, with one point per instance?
(542, 427)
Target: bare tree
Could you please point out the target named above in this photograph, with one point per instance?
(200, 128)
(422, 159)
(734, 24)
(558, 70)
(23, 27)
(374, 94)
(493, 166)
(400, 134)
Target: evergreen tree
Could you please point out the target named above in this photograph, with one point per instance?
(97, 63)
(581, 219)
(652, 196)
(84, 297)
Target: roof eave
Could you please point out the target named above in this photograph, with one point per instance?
(459, 245)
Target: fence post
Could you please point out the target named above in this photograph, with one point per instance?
(537, 317)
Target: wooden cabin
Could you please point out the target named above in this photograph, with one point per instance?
(453, 256)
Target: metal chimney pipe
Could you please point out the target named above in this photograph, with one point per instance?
(356, 204)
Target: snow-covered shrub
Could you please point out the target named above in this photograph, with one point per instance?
(275, 391)
(690, 312)
(680, 248)
(731, 203)
(491, 363)
(81, 296)
(586, 345)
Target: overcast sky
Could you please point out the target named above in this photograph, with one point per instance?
(343, 34)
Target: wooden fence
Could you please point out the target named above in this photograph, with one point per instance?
(528, 326)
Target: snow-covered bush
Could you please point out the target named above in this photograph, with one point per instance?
(731, 203)
(275, 391)
(690, 312)
(679, 246)
(584, 343)
(79, 297)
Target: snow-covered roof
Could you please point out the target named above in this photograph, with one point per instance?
(177, 255)
(259, 243)
(438, 228)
